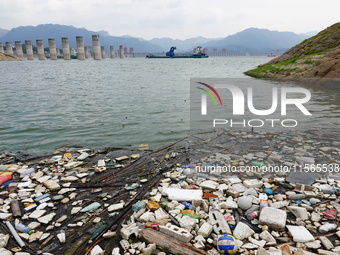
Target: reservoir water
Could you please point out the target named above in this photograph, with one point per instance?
(118, 102)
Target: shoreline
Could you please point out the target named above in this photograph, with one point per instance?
(117, 179)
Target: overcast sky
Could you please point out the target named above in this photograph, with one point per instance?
(177, 19)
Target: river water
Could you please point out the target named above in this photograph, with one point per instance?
(117, 102)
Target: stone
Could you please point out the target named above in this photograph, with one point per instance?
(97, 250)
(326, 242)
(326, 252)
(161, 214)
(3, 240)
(242, 231)
(253, 183)
(4, 251)
(300, 234)
(183, 194)
(115, 207)
(187, 222)
(299, 212)
(208, 184)
(265, 235)
(47, 218)
(205, 230)
(313, 245)
(37, 214)
(273, 218)
(35, 236)
(244, 202)
(315, 216)
(229, 204)
(328, 227)
(219, 223)
(262, 251)
(51, 185)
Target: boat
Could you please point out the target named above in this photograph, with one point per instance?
(198, 53)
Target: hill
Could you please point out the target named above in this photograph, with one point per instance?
(55, 31)
(255, 40)
(316, 57)
(5, 57)
(3, 32)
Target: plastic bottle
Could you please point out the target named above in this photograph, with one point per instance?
(188, 205)
(28, 172)
(296, 196)
(16, 208)
(253, 215)
(5, 178)
(23, 228)
(91, 207)
(139, 205)
(152, 225)
(263, 203)
(253, 208)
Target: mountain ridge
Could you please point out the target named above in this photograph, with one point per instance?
(250, 40)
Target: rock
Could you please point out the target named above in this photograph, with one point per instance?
(35, 236)
(115, 207)
(229, 204)
(326, 242)
(262, 251)
(256, 242)
(300, 234)
(244, 202)
(3, 251)
(328, 227)
(253, 183)
(3, 240)
(47, 218)
(208, 184)
(51, 185)
(187, 222)
(299, 212)
(97, 250)
(313, 245)
(265, 235)
(326, 252)
(273, 218)
(242, 231)
(315, 216)
(205, 230)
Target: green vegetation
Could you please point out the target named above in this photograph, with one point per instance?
(301, 57)
(265, 71)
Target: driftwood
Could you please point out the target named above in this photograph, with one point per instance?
(170, 244)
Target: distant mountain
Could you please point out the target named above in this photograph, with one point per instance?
(3, 32)
(255, 40)
(251, 40)
(310, 33)
(181, 45)
(47, 31)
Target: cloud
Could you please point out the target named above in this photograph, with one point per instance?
(170, 18)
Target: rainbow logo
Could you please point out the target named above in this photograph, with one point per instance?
(211, 94)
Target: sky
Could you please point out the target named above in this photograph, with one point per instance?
(177, 19)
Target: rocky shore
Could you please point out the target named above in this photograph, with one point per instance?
(6, 57)
(257, 192)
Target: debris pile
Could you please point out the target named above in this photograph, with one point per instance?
(213, 193)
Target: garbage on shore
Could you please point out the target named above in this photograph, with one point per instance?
(213, 193)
